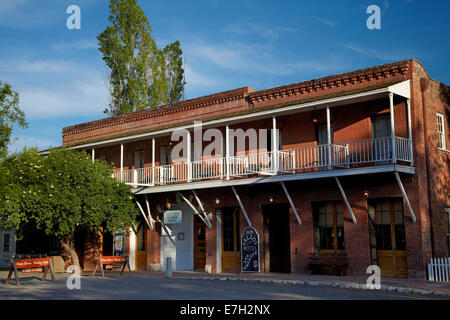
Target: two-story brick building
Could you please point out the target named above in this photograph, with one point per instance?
(353, 171)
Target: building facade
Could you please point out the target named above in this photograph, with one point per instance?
(334, 174)
(7, 247)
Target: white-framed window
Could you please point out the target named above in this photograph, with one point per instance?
(441, 131)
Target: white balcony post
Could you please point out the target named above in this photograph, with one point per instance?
(329, 137)
(227, 152)
(153, 160)
(188, 158)
(391, 108)
(274, 146)
(408, 111)
(93, 154)
(121, 162)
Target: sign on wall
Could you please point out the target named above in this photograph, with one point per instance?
(172, 217)
(119, 244)
(250, 250)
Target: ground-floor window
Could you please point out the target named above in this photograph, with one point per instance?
(329, 226)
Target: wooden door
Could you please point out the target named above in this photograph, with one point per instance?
(141, 252)
(199, 244)
(231, 255)
(390, 238)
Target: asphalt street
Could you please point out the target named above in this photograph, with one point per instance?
(137, 287)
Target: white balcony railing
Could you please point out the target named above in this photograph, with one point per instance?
(321, 157)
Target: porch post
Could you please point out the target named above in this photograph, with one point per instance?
(93, 154)
(121, 162)
(227, 152)
(188, 158)
(274, 145)
(153, 160)
(393, 142)
(408, 111)
(329, 137)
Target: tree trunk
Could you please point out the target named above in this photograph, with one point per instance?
(70, 249)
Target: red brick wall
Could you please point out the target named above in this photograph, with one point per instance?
(435, 99)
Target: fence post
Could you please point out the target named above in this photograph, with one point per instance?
(169, 267)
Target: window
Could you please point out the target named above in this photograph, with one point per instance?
(440, 130)
(447, 215)
(329, 226)
(6, 242)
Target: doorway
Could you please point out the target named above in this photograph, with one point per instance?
(231, 254)
(141, 252)
(322, 141)
(381, 132)
(276, 238)
(199, 244)
(388, 228)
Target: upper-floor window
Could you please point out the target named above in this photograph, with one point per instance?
(440, 130)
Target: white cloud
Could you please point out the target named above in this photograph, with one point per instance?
(53, 88)
(378, 54)
(67, 46)
(31, 141)
(325, 21)
(252, 28)
(261, 59)
(84, 96)
(197, 79)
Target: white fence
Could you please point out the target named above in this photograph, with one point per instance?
(320, 157)
(439, 269)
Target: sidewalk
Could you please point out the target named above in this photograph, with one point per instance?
(415, 286)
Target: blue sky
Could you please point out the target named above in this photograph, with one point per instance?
(59, 73)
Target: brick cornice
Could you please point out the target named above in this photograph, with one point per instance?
(236, 94)
(344, 81)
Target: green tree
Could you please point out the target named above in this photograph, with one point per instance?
(61, 193)
(140, 75)
(10, 114)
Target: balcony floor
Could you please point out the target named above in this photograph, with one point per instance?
(273, 179)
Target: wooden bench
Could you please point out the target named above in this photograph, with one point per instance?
(333, 263)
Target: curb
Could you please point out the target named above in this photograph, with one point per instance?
(326, 284)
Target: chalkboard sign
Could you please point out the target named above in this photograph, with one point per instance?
(250, 250)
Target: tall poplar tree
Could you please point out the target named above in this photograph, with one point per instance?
(140, 75)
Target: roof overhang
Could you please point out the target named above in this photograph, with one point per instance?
(402, 89)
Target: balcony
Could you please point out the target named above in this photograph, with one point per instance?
(327, 157)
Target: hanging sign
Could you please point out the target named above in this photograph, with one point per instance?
(250, 250)
(172, 217)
